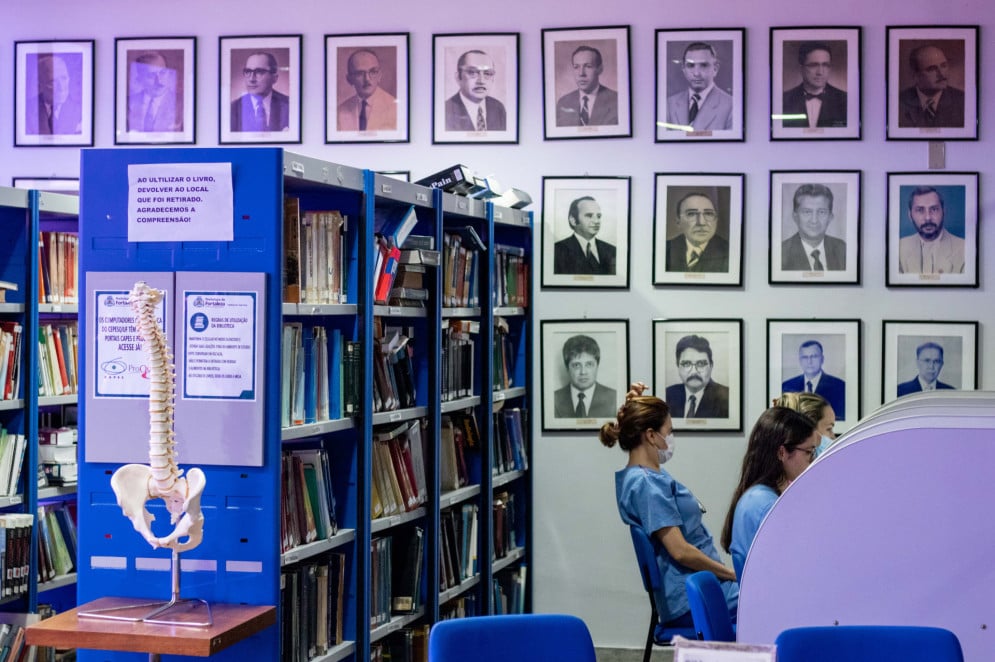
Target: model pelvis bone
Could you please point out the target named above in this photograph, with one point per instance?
(137, 484)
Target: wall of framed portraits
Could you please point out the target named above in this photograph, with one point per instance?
(597, 104)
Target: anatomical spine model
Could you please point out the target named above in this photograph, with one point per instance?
(136, 484)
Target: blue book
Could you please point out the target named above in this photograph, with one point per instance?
(335, 408)
(310, 377)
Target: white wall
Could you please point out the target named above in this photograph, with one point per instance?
(584, 562)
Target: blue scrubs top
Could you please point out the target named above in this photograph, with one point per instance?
(751, 509)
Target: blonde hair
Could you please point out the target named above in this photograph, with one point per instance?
(810, 405)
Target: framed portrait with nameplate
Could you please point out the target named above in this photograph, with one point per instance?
(922, 356)
(259, 101)
(53, 93)
(154, 91)
(698, 370)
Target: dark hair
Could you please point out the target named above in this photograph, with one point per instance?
(270, 58)
(697, 46)
(462, 58)
(925, 190)
(694, 194)
(580, 345)
(694, 342)
(580, 49)
(808, 47)
(812, 191)
(776, 427)
(150, 56)
(575, 206)
(929, 345)
(811, 343)
(641, 413)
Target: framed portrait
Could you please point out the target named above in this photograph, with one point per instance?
(932, 229)
(475, 88)
(585, 231)
(814, 226)
(53, 93)
(698, 370)
(154, 91)
(932, 82)
(586, 83)
(585, 372)
(403, 175)
(367, 88)
(700, 85)
(68, 185)
(260, 97)
(698, 229)
(815, 83)
(819, 356)
(926, 356)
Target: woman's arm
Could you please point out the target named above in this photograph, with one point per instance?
(688, 555)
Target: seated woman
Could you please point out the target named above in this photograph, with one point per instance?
(650, 498)
(781, 445)
(818, 410)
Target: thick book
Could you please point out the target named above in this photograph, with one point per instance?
(291, 250)
(395, 223)
(407, 573)
(456, 179)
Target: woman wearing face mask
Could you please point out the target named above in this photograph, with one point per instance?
(781, 445)
(818, 410)
(650, 498)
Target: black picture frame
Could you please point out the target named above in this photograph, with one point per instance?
(905, 342)
(67, 185)
(722, 114)
(796, 233)
(566, 50)
(721, 405)
(832, 64)
(41, 118)
(610, 338)
(155, 90)
(954, 48)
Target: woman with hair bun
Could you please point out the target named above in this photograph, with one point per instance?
(650, 498)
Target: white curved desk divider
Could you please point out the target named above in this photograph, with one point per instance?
(892, 526)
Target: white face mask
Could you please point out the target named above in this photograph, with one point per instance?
(665, 455)
(824, 445)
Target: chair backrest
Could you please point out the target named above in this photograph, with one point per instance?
(646, 558)
(708, 607)
(519, 637)
(864, 643)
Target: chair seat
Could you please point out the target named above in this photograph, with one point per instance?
(868, 643)
(662, 635)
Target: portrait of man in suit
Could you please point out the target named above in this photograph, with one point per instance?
(815, 103)
(931, 101)
(814, 380)
(261, 108)
(591, 104)
(703, 106)
(56, 108)
(582, 252)
(810, 248)
(697, 396)
(584, 396)
(371, 108)
(932, 249)
(153, 105)
(929, 363)
(698, 248)
(473, 108)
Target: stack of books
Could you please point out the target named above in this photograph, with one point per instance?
(57, 454)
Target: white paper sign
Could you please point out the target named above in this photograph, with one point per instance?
(219, 338)
(180, 202)
(121, 360)
(688, 650)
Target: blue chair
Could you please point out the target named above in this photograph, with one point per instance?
(708, 607)
(518, 637)
(650, 573)
(867, 643)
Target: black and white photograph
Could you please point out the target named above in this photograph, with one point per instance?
(586, 82)
(154, 91)
(817, 356)
(928, 356)
(53, 93)
(815, 227)
(585, 372)
(698, 229)
(932, 229)
(67, 185)
(366, 88)
(815, 83)
(698, 371)
(402, 175)
(260, 96)
(585, 232)
(475, 88)
(700, 92)
(932, 88)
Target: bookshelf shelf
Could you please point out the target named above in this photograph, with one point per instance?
(507, 477)
(448, 499)
(55, 400)
(58, 308)
(315, 429)
(58, 582)
(315, 310)
(399, 415)
(317, 548)
(7, 405)
(460, 312)
(8, 501)
(399, 311)
(510, 311)
(384, 523)
(395, 624)
(56, 491)
(457, 591)
(509, 393)
(461, 403)
(511, 557)
(11, 308)
(336, 653)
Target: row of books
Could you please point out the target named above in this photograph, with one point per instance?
(510, 451)
(393, 367)
(509, 591)
(312, 597)
(16, 530)
(10, 359)
(461, 255)
(458, 349)
(396, 567)
(505, 516)
(459, 607)
(308, 498)
(460, 436)
(391, 226)
(458, 543)
(58, 267)
(405, 645)
(398, 470)
(312, 374)
(314, 249)
(13, 647)
(58, 347)
(12, 448)
(502, 356)
(57, 538)
(511, 276)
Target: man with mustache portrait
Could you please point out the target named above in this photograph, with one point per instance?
(697, 396)
(932, 250)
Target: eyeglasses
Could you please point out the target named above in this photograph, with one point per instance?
(687, 365)
(367, 73)
(810, 451)
(694, 215)
(821, 214)
(249, 73)
(487, 74)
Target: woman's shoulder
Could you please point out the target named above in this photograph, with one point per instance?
(633, 478)
(758, 494)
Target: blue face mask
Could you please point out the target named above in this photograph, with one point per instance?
(823, 446)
